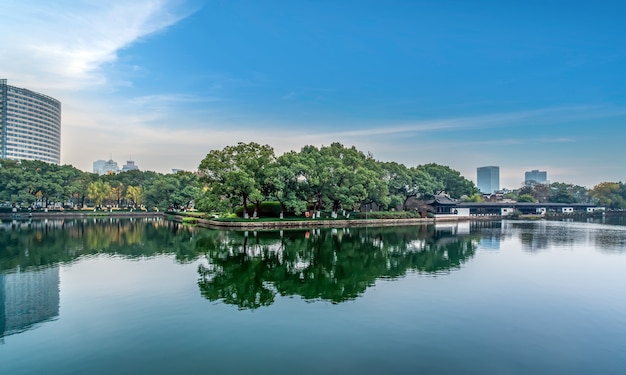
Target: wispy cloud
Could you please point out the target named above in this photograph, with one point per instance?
(50, 46)
(494, 120)
(175, 139)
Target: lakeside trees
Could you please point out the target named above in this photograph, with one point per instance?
(333, 178)
(37, 184)
(610, 194)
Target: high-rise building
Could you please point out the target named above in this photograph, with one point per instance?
(488, 179)
(535, 177)
(30, 125)
(101, 167)
(130, 166)
(98, 166)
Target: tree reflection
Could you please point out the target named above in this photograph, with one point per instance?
(43, 243)
(248, 270)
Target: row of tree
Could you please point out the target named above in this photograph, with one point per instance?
(32, 183)
(327, 178)
(331, 177)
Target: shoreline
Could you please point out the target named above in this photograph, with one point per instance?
(252, 224)
(75, 215)
(320, 223)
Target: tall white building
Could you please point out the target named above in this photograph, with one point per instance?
(30, 125)
(130, 166)
(101, 167)
(488, 179)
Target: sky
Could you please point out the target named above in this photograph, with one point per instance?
(521, 85)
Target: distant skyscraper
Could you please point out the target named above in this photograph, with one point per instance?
(129, 166)
(30, 125)
(98, 166)
(535, 177)
(488, 179)
(101, 167)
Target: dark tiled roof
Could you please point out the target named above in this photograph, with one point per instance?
(442, 199)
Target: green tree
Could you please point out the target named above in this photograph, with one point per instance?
(448, 180)
(526, 198)
(567, 193)
(610, 195)
(98, 191)
(474, 198)
(236, 172)
(283, 184)
(134, 194)
(406, 183)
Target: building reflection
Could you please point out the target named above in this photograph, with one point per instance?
(27, 299)
(543, 235)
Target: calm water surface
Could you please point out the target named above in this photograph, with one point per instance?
(149, 296)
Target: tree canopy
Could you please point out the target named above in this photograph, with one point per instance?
(332, 178)
(39, 184)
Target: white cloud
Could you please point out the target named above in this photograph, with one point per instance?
(63, 48)
(50, 46)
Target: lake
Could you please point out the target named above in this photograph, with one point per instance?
(104, 296)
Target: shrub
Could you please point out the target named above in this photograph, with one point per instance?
(514, 215)
(387, 215)
(190, 220)
(266, 209)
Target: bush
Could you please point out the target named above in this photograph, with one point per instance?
(266, 209)
(190, 220)
(387, 215)
(514, 215)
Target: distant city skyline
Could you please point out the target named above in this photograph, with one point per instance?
(462, 84)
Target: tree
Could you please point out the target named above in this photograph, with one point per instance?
(98, 191)
(283, 184)
(372, 177)
(347, 176)
(567, 193)
(526, 198)
(317, 175)
(117, 192)
(406, 183)
(236, 171)
(135, 195)
(541, 193)
(474, 198)
(610, 195)
(448, 180)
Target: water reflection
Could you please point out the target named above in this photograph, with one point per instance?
(249, 269)
(544, 235)
(28, 299)
(24, 245)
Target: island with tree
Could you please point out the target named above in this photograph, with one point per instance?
(248, 181)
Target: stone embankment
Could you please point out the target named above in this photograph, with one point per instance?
(311, 223)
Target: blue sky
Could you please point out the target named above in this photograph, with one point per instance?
(525, 85)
